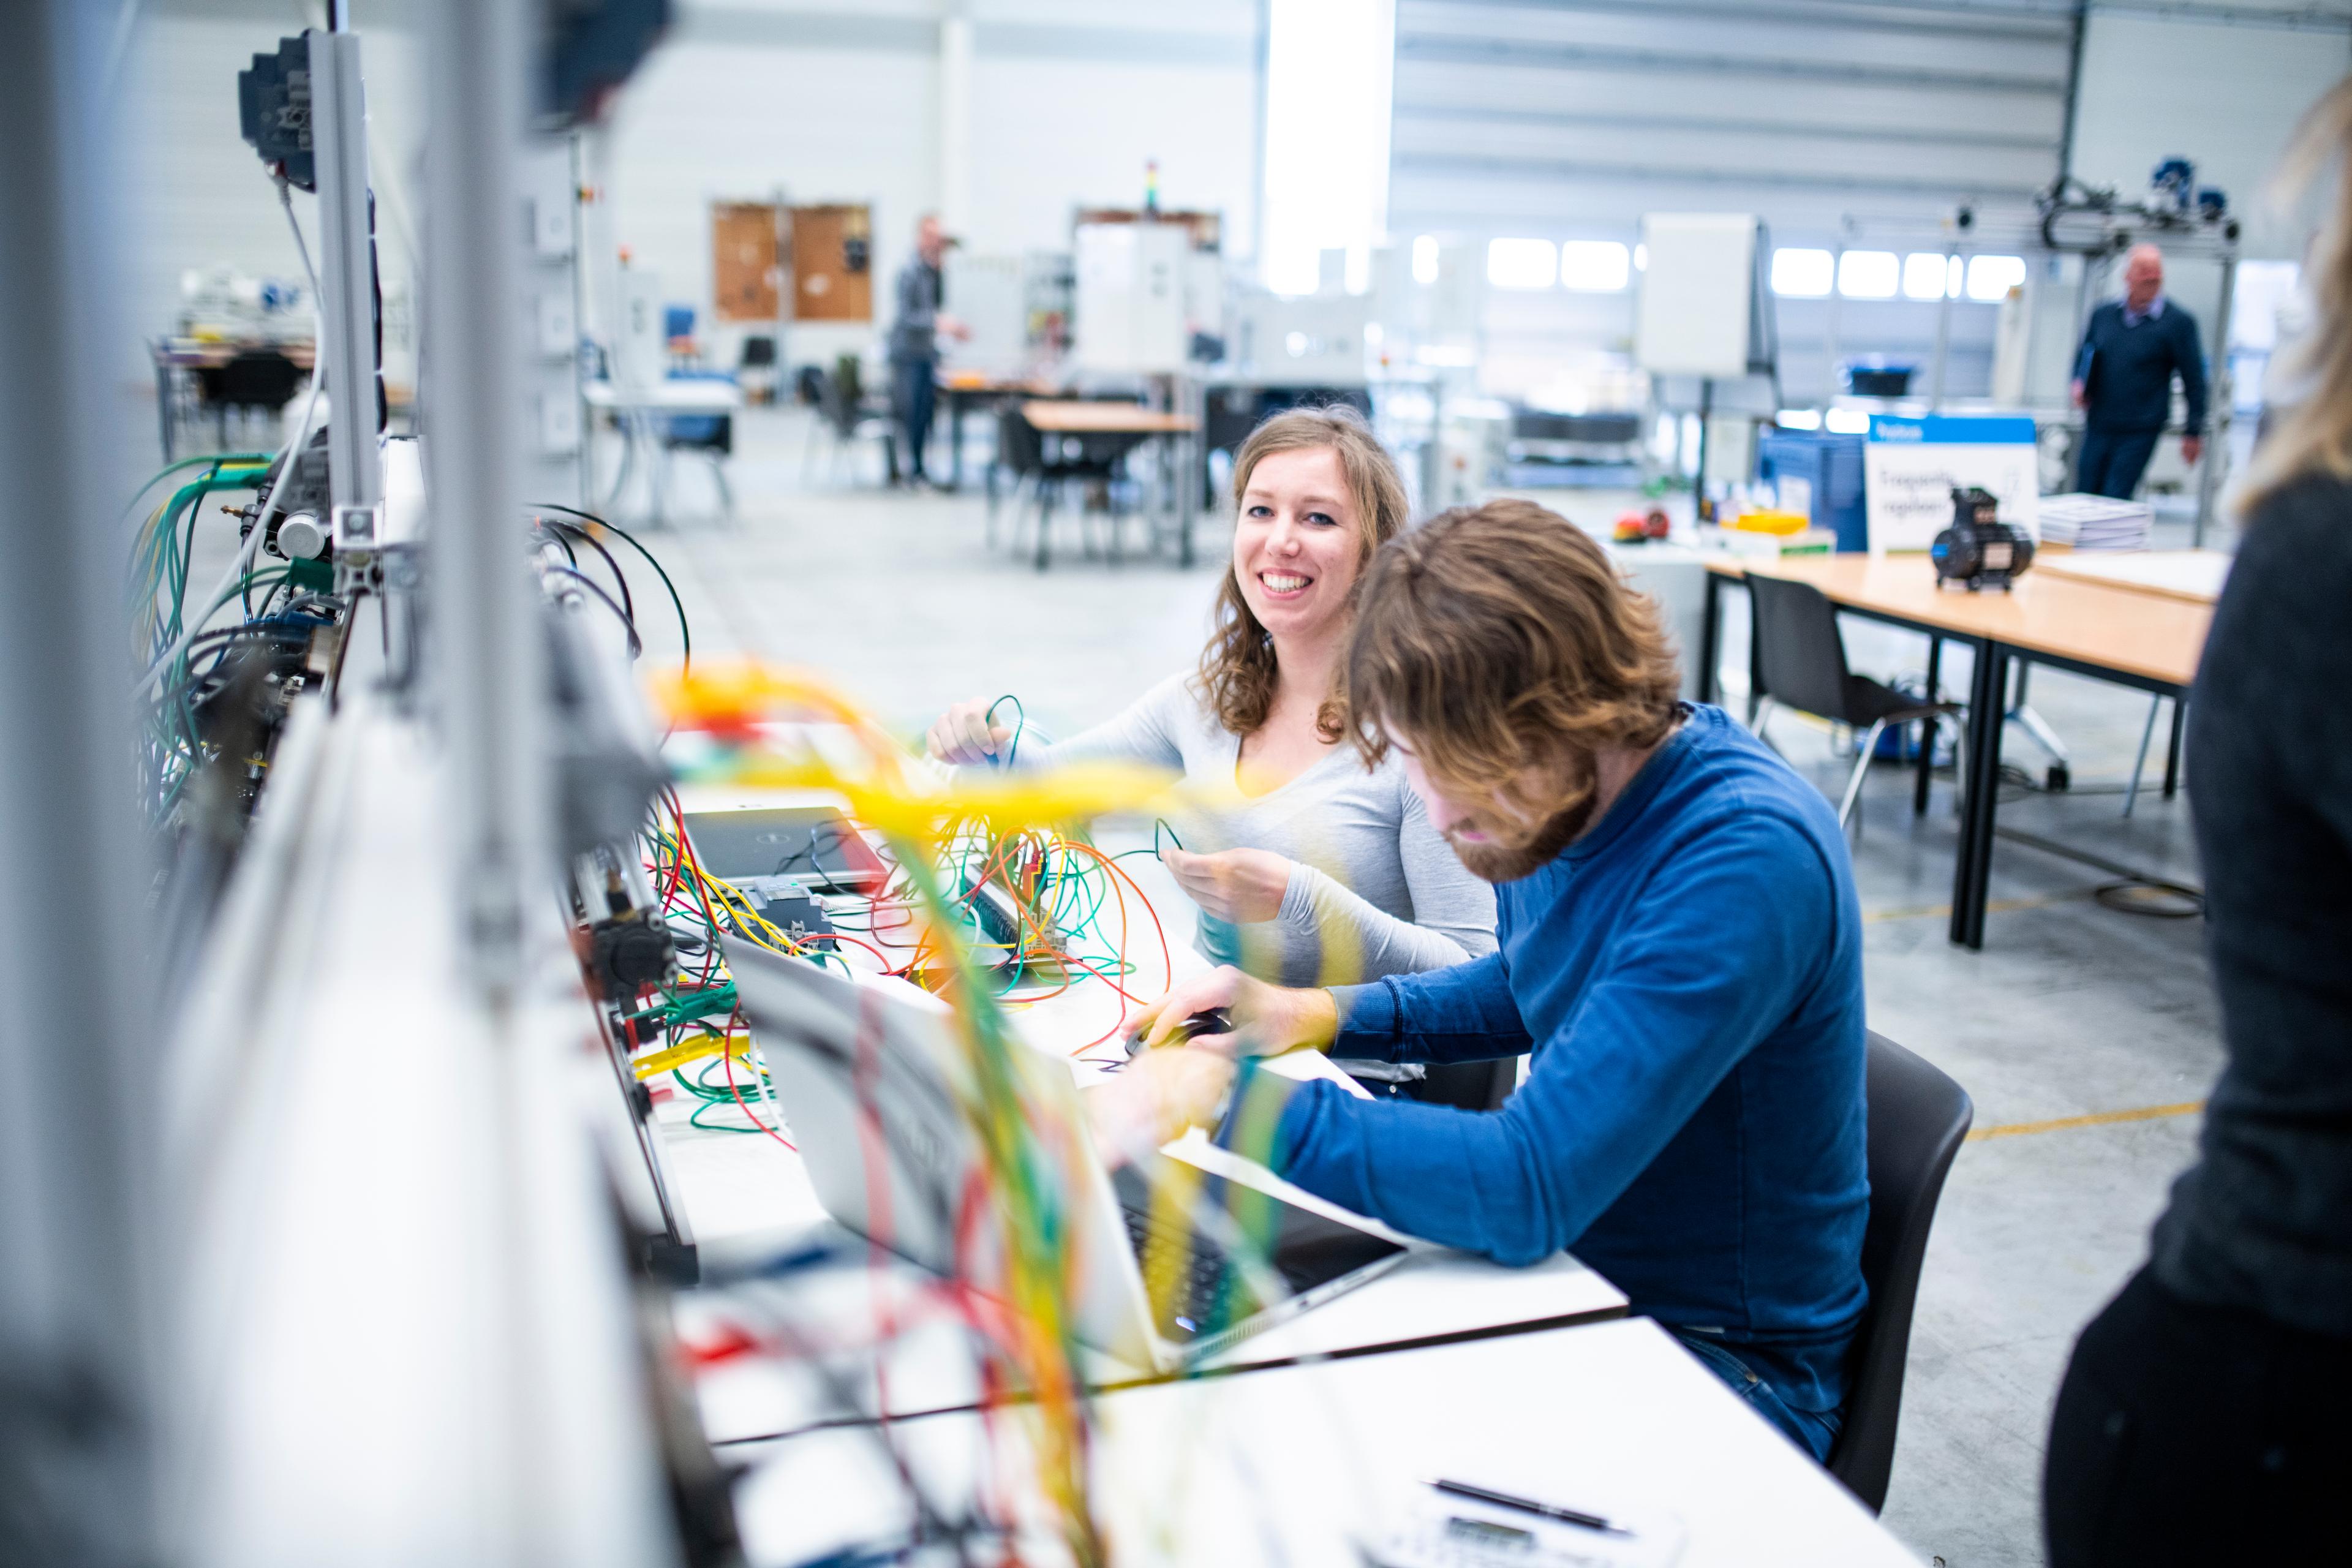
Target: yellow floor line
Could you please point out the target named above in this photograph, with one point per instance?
(1996, 907)
(2099, 1119)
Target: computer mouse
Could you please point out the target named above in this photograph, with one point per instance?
(1212, 1021)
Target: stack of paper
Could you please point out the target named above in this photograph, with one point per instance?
(2096, 522)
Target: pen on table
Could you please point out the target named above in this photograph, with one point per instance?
(1529, 1505)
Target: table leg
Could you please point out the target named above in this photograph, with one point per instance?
(1191, 487)
(164, 408)
(955, 441)
(1171, 462)
(1928, 727)
(2172, 756)
(1710, 639)
(628, 464)
(1972, 867)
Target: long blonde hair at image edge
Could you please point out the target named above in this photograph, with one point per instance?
(2314, 433)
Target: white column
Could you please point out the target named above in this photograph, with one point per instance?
(955, 117)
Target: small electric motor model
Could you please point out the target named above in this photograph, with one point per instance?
(1980, 550)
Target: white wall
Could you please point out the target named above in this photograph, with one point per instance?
(828, 104)
(815, 101)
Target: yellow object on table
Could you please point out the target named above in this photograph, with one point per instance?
(1767, 521)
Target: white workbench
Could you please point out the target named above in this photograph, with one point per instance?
(749, 1196)
(1287, 1465)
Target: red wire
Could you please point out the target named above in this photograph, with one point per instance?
(727, 1057)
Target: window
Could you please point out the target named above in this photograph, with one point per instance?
(1521, 263)
(1641, 259)
(1930, 275)
(1595, 266)
(1992, 277)
(1328, 67)
(1424, 259)
(1847, 421)
(1868, 274)
(1801, 274)
(1798, 419)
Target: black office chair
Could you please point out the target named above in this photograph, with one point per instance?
(1918, 1118)
(262, 380)
(1799, 663)
(846, 418)
(1467, 1086)
(1048, 464)
(756, 370)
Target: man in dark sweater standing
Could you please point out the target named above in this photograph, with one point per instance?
(914, 341)
(2123, 380)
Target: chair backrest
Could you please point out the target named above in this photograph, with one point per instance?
(1918, 1118)
(1019, 446)
(259, 378)
(1799, 657)
(835, 404)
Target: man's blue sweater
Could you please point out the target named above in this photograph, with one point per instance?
(2127, 369)
(1688, 976)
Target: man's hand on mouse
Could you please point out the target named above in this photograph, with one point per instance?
(1154, 1098)
(1267, 1020)
(1241, 885)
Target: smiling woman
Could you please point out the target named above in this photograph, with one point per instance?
(1321, 869)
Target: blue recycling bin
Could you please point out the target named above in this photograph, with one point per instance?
(1830, 464)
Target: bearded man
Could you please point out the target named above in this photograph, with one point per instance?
(1680, 959)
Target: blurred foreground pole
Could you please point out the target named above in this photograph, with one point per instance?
(76, 1350)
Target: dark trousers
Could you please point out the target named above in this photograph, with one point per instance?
(914, 392)
(2110, 462)
(2193, 1434)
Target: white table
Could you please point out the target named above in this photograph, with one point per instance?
(751, 1196)
(2195, 576)
(644, 416)
(1285, 1466)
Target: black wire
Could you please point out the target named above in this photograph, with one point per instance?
(686, 635)
(548, 526)
(636, 646)
(628, 602)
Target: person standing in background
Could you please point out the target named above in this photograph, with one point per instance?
(914, 341)
(2202, 1418)
(2123, 380)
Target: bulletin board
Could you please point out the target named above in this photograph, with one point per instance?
(746, 267)
(833, 263)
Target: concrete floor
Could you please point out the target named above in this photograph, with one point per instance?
(2072, 1009)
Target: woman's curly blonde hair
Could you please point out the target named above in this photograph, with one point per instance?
(1237, 669)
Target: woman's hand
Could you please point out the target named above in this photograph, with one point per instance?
(1265, 1020)
(1153, 1099)
(1243, 887)
(963, 734)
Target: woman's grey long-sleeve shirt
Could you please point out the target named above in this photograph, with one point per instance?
(1373, 889)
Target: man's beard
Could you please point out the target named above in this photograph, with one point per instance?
(1496, 859)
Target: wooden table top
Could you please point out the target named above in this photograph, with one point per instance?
(2195, 576)
(192, 354)
(1075, 419)
(2150, 636)
(976, 381)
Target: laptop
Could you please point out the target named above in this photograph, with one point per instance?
(781, 851)
(875, 1080)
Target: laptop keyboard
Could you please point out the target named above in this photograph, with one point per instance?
(1200, 1291)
